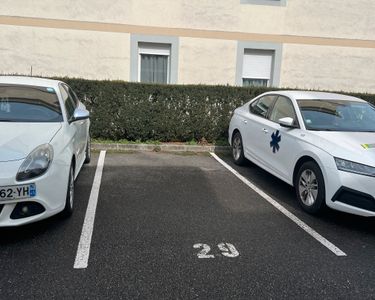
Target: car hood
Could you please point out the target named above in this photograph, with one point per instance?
(354, 146)
(17, 140)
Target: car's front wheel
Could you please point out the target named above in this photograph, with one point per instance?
(237, 149)
(69, 202)
(310, 188)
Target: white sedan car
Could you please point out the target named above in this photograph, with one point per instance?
(323, 144)
(44, 141)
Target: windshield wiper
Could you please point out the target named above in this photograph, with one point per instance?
(322, 129)
(5, 120)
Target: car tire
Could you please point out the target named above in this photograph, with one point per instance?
(88, 151)
(310, 187)
(69, 202)
(237, 149)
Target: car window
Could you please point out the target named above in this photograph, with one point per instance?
(283, 108)
(26, 103)
(337, 115)
(72, 94)
(261, 106)
(68, 102)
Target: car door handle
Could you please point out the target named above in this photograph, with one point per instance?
(245, 121)
(265, 130)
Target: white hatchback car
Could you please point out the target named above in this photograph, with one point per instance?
(44, 141)
(321, 143)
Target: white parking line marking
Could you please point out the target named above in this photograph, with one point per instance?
(282, 209)
(83, 250)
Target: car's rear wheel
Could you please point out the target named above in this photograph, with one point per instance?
(237, 149)
(310, 188)
(69, 202)
(88, 150)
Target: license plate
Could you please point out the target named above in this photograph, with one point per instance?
(17, 192)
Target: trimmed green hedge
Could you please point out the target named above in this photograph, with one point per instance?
(135, 111)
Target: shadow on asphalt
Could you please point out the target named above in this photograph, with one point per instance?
(285, 194)
(13, 235)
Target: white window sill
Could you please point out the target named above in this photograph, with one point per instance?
(265, 2)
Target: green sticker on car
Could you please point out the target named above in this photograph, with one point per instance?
(368, 146)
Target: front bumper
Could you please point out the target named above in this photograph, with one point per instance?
(51, 193)
(355, 198)
(351, 193)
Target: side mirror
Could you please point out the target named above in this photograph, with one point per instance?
(80, 114)
(287, 122)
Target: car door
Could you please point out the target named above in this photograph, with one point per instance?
(279, 145)
(253, 124)
(74, 128)
(83, 124)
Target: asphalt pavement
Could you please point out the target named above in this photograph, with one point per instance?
(170, 226)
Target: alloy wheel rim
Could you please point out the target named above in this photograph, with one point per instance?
(308, 187)
(237, 148)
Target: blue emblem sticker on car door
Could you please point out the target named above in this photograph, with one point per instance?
(276, 139)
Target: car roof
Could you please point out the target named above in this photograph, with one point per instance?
(310, 95)
(26, 80)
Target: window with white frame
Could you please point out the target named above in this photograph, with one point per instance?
(154, 62)
(257, 67)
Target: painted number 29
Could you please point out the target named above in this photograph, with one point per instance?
(227, 250)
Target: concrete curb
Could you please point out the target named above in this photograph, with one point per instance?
(161, 147)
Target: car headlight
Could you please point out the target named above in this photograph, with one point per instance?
(353, 167)
(36, 163)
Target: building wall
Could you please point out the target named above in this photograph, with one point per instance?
(207, 61)
(72, 53)
(334, 18)
(328, 68)
(326, 45)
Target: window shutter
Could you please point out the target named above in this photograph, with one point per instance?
(154, 49)
(257, 64)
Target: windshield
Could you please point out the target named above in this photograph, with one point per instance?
(337, 115)
(23, 103)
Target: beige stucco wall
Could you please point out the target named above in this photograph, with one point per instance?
(51, 52)
(322, 18)
(210, 58)
(205, 61)
(333, 18)
(328, 68)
